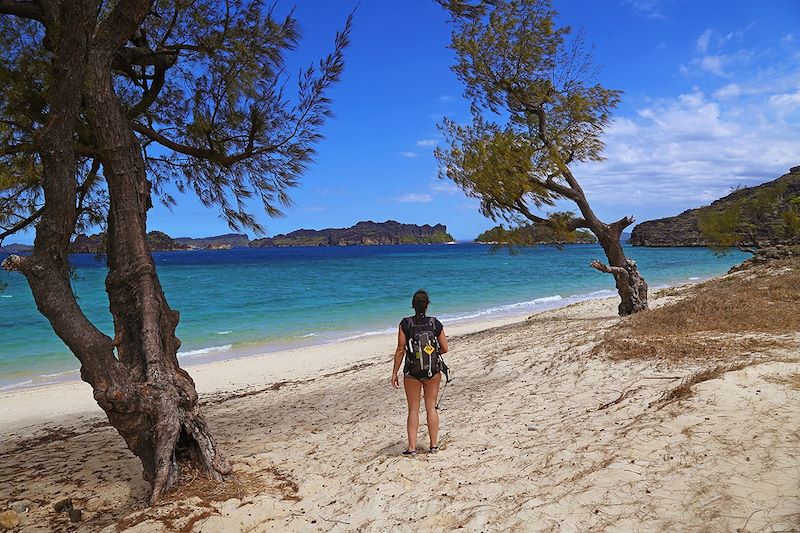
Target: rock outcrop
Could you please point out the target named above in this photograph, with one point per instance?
(761, 208)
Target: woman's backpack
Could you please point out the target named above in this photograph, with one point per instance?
(422, 349)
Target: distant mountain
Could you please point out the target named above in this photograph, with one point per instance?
(365, 233)
(219, 242)
(528, 235)
(761, 211)
(157, 241)
(16, 248)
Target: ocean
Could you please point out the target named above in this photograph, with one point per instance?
(240, 302)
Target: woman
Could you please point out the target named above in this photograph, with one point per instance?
(414, 383)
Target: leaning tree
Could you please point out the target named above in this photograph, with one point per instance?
(102, 103)
(535, 113)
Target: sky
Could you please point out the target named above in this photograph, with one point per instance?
(711, 102)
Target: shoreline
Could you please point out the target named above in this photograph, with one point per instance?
(73, 398)
(515, 311)
(548, 430)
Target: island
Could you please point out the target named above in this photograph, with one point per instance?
(531, 235)
(767, 213)
(365, 233)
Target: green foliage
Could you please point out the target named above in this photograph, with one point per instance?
(436, 238)
(791, 217)
(721, 228)
(531, 234)
(534, 108)
(206, 88)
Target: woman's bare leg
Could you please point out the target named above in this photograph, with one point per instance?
(431, 387)
(413, 388)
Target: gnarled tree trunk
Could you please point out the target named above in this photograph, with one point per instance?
(162, 423)
(135, 377)
(631, 286)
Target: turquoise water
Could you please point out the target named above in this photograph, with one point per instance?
(254, 300)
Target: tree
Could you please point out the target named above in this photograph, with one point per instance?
(97, 96)
(534, 114)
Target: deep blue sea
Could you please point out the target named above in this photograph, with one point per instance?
(245, 301)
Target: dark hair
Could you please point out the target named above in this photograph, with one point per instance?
(420, 302)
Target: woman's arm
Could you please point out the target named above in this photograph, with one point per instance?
(442, 341)
(399, 352)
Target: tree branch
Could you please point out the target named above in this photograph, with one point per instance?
(616, 271)
(28, 9)
(21, 224)
(193, 151)
(621, 224)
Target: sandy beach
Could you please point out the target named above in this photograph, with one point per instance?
(540, 432)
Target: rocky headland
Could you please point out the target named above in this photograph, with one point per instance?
(763, 212)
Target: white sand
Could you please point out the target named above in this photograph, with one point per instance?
(524, 446)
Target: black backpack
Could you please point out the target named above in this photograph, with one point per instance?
(422, 349)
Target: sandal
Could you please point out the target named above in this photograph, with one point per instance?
(410, 453)
(434, 449)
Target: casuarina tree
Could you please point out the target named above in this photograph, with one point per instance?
(101, 105)
(536, 112)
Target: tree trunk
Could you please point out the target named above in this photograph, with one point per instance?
(631, 286)
(135, 377)
(161, 422)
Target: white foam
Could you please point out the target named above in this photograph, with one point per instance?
(203, 351)
(226, 332)
(19, 385)
(694, 278)
(309, 335)
(44, 379)
(6, 295)
(365, 334)
(530, 304)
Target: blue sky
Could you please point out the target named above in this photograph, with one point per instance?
(711, 101)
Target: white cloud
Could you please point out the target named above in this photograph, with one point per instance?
(445, 186)
(427, 142)
(315, 208)
(416, 198)
(785, 103)
(732, 90)
(703, 41)
(648, 8)
(409, 155)
(712, 64)
(445, 98)
(690, 150)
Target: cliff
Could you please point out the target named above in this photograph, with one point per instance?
(763, 215)
(363, 233)
(529, 235)
(157, 241)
